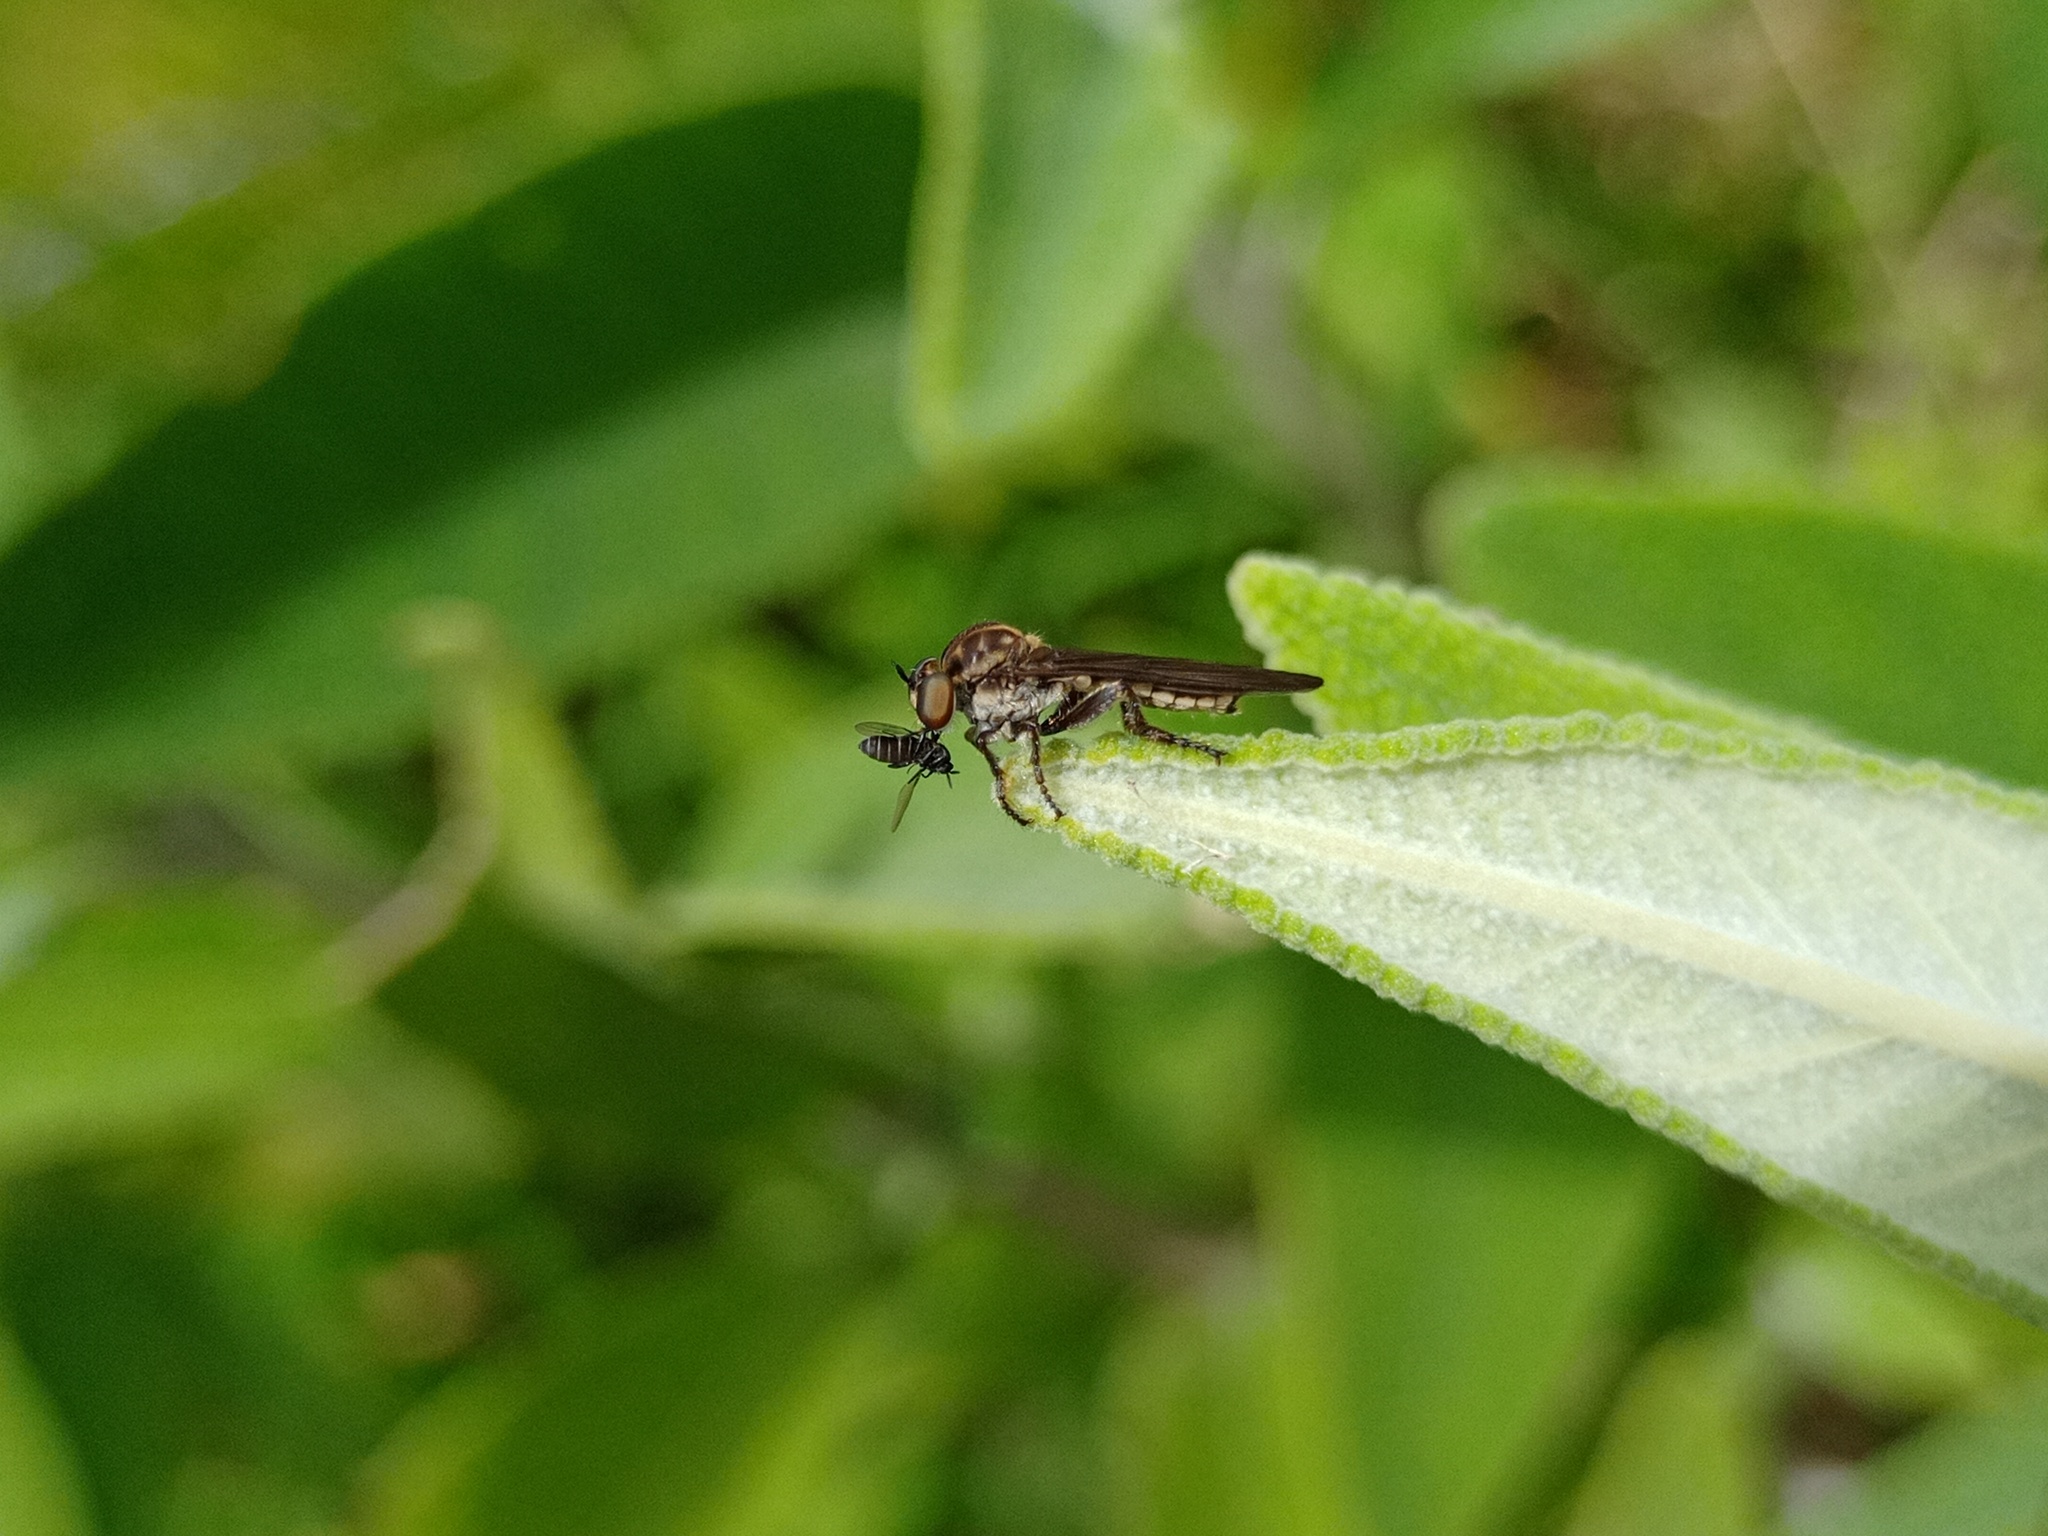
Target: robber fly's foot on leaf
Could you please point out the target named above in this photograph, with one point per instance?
(995, 769)
(1038, 773)
(1152, 732)
(1003, 799)
(1136, 724)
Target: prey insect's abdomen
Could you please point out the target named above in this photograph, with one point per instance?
(896, 746)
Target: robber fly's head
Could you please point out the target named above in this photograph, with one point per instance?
(931, 693)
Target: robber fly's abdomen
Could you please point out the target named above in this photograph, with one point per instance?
(1167, 698)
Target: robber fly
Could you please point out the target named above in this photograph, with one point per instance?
(1014, 687)
(898, 746)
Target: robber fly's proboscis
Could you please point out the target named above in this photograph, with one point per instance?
(900, 746)
(1012, 686)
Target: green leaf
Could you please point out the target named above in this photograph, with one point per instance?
(514, 803)
(682, 399)
(1448, 1239)
(1392, 655)
(145, 1019)
(1901, 637)
(1414, 58)
(682, 507)
(1188, 1451)
(1128, 534)
(1451, 1236)
(1815, 968)
(1897, 1341)
(1405, 283)
(724, 1403)
(40, 1493)
(1974, 1473)
(1069, 164)
(209, 1383)
(169, 209)
(2009, 49)
(605, 1069)
(1686, 1451)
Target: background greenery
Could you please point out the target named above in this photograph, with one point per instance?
(723, 1164)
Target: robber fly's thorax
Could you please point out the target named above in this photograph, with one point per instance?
(983, 649)
(1004, 701)
(996, 697)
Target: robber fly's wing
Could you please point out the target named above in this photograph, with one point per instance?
(1213, 678)
(884, 728)
(903, 800)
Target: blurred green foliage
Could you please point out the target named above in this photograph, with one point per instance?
(472, 1058)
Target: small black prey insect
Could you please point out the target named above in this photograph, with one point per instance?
(1014, 687)
(898, 746)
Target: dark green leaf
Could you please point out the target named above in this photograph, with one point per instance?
(1452, 1233)
(40, 1492)
(176, 191)
(679, 399)
(616, 1079)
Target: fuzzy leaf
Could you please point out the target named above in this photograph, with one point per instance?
(1392, 655)
(1816, 968)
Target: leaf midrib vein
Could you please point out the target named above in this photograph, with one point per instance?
(1882, 1008)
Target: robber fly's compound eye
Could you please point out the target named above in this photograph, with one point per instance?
(931, 695)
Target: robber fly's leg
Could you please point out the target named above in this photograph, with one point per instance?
(1136, 723)
(995, 767)
(1080, 709)
(1038, 773)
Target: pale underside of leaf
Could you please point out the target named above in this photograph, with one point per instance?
(1819, 969)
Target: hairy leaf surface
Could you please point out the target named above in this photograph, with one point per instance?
(1393, 655)
(1818, 969)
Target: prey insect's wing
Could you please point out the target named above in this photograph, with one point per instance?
(903, 798)
(1180, 674)
(884, 728)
